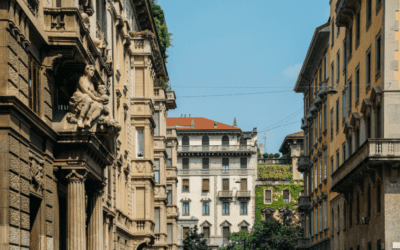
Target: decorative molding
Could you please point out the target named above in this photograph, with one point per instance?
(36, 170)
(225, 224)
(243, 224)
(77, 175)
(205, 224)
(185, 199)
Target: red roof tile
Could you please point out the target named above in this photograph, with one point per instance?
(199, 122)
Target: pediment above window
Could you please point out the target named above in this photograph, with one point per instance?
(243, 224)
(205, 224)
(225, 224)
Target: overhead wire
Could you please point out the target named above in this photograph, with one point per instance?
(255, 93)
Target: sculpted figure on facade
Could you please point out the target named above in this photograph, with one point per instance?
(36, 170)
(88, 105)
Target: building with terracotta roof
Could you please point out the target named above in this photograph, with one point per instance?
(217, 166)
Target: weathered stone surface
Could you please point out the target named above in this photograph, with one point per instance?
(12, 247)
(49, 198)
(14, 235)
(49, 213)
(48, 112)
(50, 243)
(24, 153)
(24, 204)
(14, 145)
(14, 163)
(23, 99)
(24, 169)
(12, 43)
(13, 77)
(14, 217)
(25, 223)
(24, 186)
(14, 181)
(49, 228)
(47, 97)
(49, 183)
(23, 86)
(23, 70)
(25, 238)
(23, 56)
(12, 58)
(15, 199)
(48, 167)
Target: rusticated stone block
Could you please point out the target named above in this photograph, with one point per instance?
(23, 70)
(13, 76)
(25, 238)
(14, 145)
(25, 222)
(12, 247)
(48, 112)
(48, 168)
(15, 199)
(23, 56)
(14, 181)
(50, 243)
(14, 163)
(12, 58)
(12, 43)
(24, 186)
(24, 170)
(14, 235)
(49, 198)
(25, 204)
(47, 97)
(23, 99)
(49, 228)
(49, 213)
(15, 217)
(23, 86)
(12, 89)
(24, 153)
(49, 184)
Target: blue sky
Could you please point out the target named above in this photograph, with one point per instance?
(224, 47)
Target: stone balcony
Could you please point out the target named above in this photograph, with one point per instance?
(171, 133)
(160, 192)
(199, 150)
(345, 11)
(172, 246)
(172, 211)
(171, 99)
(160, 240)
(304, 203)
(302, 243)
(172, 173)
(225, 195)
(243, 195)
(303, 164)
(143, 227)
(366, 161)
(218, 172)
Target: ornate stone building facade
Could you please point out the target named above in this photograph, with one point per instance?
(360, 43)
(78, 126)
(216, 173)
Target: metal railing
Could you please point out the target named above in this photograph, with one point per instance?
(225, 194)
(243, 193)
(214, 148)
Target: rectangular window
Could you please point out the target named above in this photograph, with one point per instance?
(157, 220)
(157, 122)
(312, 223)
(333, 32)
(170, 233)
(332, 164)
(169, 194)
(358, 27)
(243, 208)
(34, 85)
(332, 73)
(225, 208)
(337, 115)
(206, 185)
(243, 184)
(243, 163)
(378, 197)
(316, 131)
(185, 185)
(350, 213)
(185, 208)
(378, 54)
(316, 219)
(320, 124)
(369, 12)
(185, 163)
(225, 232)
(185, 232)
(378, 245)
(337, 159)
(350, 41)
(344, 152)
(311, 136)
(206, 162)
(169, 157)
(357, 84)
(331, 124)
(225, 163)
(368, 69)
(157, 171)
(325, 214)
(358, 208)
(140, 142)
(369, 246)
(338, 66)
(268, 196)
(325, 116)
(350, 95)
(320, 170)
(311, 178)
(206, 208)
(316, 175)
(206, 232)
(369, 201)
(320, 218)
(225, 184)
(243, 228)
(325, 163)
(344, 105)
(325, 66)
(378, 122)
(286, 196)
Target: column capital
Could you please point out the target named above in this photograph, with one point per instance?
(77, 175)
(97, 187)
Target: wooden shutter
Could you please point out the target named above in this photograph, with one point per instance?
(206, 232)
(157, 220)
(225, 232)
(268, 195)
(185, 163)
(140, 203)
(225, 184)
(185, 182)
(243, 184)
(206, 184)
(285, 194)
(185, 232)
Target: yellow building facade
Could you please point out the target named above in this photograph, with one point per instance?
(360, 46)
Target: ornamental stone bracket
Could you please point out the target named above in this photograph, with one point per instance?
(36, 171)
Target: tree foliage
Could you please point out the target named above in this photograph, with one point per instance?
(162, 30)
(195, 241)
(265, 235)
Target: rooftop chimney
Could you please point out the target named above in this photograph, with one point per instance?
(185, 115)
(181, 115)
(215, 125)
(190, 115)
(234, 123)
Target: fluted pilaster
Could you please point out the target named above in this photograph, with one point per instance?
(95, 227)
(76, 237)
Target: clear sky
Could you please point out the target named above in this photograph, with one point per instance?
(237, 47)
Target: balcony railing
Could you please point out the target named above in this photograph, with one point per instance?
(304, 203)
(273, 161)
(373, 150)
(225, 194)
(304, 163)
(302, 243)
(243, 194)
(345, 11)
(171, 103)
(199, 172)
(216, 148)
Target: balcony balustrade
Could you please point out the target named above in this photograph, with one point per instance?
(225, 195)
(304, 164)
(243, 195)
(304, 203)
(215, 148)
(171, 100)
(345, 11)
(302, 243)
(144, 227)
(200, 172)
(273, 161)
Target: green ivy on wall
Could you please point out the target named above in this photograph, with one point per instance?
(275, 172)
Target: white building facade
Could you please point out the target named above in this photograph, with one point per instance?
(217, 166)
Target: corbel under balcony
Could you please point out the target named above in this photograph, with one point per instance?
(119, 95)
(346, 11)
(126, 108)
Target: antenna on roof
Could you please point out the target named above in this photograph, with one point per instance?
(234, 123)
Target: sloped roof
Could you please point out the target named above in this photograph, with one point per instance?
(196, 123)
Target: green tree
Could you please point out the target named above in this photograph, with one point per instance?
(265, 235)
(265, 155)
(195, 241)
(277, 155)
(162, 30)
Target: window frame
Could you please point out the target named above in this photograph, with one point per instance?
(378, 55)
(243, 207)
(225, 208)
(265, 196)
(185, 190)
(288, 196)
(185, 208)
(34, 85)
(137, 143)
(206, 208)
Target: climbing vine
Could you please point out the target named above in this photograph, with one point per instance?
(162, 30)
(274, 172)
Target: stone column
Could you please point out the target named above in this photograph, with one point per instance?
(95, 227)
(76, 236)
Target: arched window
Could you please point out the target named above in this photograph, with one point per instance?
(185, 140)
(225, 140)
(243, 141)
(205, 141)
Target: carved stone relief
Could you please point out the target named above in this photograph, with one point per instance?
(140, 167)
(36, 170)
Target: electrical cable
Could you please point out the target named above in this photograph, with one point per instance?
(256, 93)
